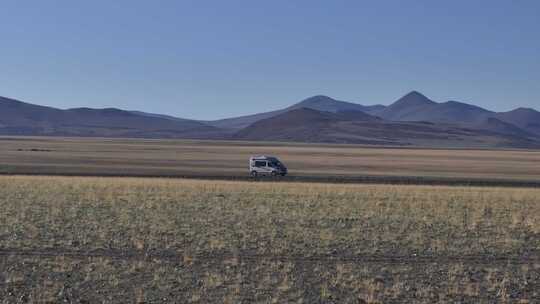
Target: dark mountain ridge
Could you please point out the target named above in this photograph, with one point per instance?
(525, 118)
(417, 107)
(20, 118)
(327, 104)
(309, 125)
(412, 119)
(318, 102)
(304, 125)
(406, 106)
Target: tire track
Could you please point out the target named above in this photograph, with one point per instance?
(170, 256)
(363, 179)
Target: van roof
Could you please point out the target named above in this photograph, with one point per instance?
(264, 157)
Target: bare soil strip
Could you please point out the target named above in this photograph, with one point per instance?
(366, 179)
(212, 257)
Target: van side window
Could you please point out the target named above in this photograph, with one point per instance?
(260, 164)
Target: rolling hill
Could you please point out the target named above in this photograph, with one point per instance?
(496, 125)
(308, 125)
(525, 118)
(20, 118)
(417, 107)
(407, 107)
(327, 104)
(318, 102)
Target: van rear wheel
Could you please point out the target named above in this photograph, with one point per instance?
(253, 173)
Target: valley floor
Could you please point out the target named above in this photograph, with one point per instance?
(229, 160)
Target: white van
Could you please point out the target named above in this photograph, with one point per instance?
(266, 165)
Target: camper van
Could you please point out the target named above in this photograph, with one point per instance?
(266, 165)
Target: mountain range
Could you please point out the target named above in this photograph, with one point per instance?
(413, 119)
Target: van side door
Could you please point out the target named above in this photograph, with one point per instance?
(260, 166)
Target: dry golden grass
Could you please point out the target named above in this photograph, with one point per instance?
(168, 157)
(130, 239)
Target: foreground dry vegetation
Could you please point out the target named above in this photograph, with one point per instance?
(93, 240)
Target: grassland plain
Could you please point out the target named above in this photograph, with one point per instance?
(129, 240)
(137, 157)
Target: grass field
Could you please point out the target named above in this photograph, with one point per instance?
(94, 240)
(229, 159)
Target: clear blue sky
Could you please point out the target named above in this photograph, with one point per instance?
(212, 59)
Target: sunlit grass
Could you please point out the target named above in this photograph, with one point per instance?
(200, 219)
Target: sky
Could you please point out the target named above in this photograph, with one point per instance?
(214, 59)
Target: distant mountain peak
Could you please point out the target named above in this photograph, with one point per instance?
(316, 99)
(319, 96)
(329, 104)
(415, 93)
(524, 110)
(409, 104)
(415, 98)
